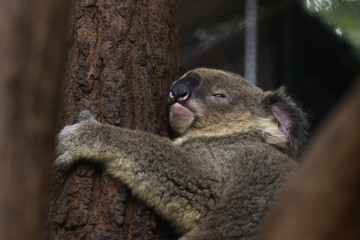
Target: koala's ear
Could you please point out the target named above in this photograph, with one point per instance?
(292, 120)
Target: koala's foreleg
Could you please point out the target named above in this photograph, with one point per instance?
(181, 187)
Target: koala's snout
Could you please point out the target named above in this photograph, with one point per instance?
(182, 89)
(180, 94)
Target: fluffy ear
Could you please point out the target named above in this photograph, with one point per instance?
(292, 120)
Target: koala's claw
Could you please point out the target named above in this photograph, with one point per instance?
(84, 115)
(62, 162)
(64, 147)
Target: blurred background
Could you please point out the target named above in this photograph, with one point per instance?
(309, 46)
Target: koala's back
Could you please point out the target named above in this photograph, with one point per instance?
(253, 173)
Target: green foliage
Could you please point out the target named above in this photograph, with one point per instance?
(342, 15)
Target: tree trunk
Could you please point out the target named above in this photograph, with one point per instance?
(31, 60)
(122, 58)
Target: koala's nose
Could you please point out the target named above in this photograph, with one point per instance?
(183, 89)
(179, 93)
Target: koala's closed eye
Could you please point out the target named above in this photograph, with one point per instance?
(218, 95)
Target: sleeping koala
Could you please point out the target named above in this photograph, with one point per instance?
(233, 149)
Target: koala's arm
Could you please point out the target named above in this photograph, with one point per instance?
(181, 186)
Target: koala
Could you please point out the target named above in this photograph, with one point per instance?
(233, 147)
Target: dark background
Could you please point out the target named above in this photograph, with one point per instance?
(294, 48)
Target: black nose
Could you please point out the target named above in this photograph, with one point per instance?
(182, 90)
(180, 93)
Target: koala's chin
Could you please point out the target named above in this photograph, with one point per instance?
(181, 117)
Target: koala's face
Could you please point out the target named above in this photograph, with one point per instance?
(206, 97)
(217, 102)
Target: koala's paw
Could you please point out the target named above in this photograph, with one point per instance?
(66, 145)
(84, 115)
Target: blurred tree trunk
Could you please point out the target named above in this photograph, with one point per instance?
(31, 59)
(122, 58)
(322, 200)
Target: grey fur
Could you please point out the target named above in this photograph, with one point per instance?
(218, 177)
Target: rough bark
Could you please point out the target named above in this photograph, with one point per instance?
(322, 201)
(31, 60)
(122, 58)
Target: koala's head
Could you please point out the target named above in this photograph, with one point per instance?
(214, 102)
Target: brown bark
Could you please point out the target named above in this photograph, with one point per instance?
(122, 59)
(31, 56)
(322, 201)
